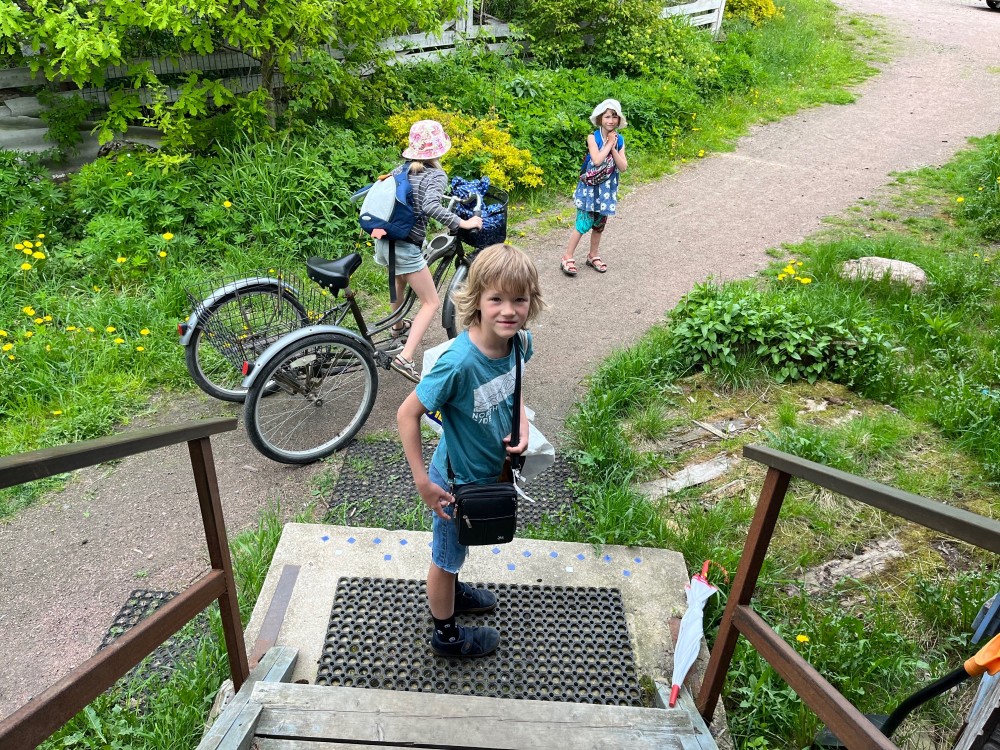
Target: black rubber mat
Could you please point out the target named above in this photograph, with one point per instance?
(375, 489)
(558, 643)
(140, 605)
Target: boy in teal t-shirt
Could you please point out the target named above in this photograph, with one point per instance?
(472, 386)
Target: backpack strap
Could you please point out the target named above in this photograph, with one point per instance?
(392, 271)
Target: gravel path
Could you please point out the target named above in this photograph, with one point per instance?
(67, 566)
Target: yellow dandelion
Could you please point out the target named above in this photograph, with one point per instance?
(56, 412)
(28, 243)
(29, 310)
(90, 329)
(39, 321)
(48, 347)
(144, 332)
(97, 288)
(121, 259)
(782, 277)
(167, 236)
(38, 255)
(802, 638)
(41, 236)
(70, 329)
(110, 329)
(10, 356)
(701, 152)
(28, 334)
(128, 174)
(7, 347)
(47, 318)
(25, 266)
(140, 348)
(19, 246)
(227, 204)
(805, 280)
(162, 253)
(3, 334)
(119, 340)
(960, 199)
(27, 250)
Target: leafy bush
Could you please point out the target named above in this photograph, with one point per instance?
(479, 147)
(63, 116)
(714, 327)
(755, 11)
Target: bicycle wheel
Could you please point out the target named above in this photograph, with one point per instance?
(256, 314)
(449, 317)
(326, 387)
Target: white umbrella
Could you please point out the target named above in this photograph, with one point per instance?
(692, 628)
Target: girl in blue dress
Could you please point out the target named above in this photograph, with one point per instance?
(596, 195)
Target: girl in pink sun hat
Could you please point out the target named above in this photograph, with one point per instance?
(428, 143)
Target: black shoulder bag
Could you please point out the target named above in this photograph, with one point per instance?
(487, 513)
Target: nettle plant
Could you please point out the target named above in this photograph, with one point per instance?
(718, 329)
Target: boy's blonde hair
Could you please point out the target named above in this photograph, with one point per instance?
(417, 166)
(502, 267)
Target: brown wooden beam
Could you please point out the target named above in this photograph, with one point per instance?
(955, 522)
(203, 465)
(772, 494)
(850, 726)
(45, 713)
(47, 462)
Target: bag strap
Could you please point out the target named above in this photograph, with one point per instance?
(516, 459)
(392, 271)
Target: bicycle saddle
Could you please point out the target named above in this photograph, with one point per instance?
(333, 274)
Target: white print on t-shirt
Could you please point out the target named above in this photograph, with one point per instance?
(488, 397)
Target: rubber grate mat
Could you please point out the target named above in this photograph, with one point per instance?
(375, 488)
(140, 605)
(557, 643)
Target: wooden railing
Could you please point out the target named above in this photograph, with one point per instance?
(34, 722)
(739, 618)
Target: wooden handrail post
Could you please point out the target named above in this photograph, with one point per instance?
(203, 465)
(772, 495)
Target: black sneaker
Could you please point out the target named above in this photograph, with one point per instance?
(472, 601)
(472, 642)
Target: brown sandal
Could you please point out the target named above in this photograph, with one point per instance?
(597, 264)
(568, 266)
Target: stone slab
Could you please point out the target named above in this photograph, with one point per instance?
(651, 582)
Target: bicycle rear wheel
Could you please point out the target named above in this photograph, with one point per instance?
(325, 385)
(255, 316)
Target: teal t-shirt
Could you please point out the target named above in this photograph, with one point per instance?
(475, 396)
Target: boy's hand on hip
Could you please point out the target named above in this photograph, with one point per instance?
(436, 498)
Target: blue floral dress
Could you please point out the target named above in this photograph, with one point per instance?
(598, 199)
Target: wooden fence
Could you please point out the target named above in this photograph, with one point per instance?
(240, 72)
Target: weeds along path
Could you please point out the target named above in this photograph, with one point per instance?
(67, 566)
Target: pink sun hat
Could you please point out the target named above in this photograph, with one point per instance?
(427, 141)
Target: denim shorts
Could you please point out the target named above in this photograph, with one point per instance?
(446, 552)
(409, 257)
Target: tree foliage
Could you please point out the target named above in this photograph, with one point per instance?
(77, 40)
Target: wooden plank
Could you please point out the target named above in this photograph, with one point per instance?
(311, 712)
(241, 731)
(26, 467)
(272, 743)
(955, 522)
(275, 614)
(15, 78)
(276, 666)
(983, 717)
(702, 738)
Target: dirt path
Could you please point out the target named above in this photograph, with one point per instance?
(66, 567)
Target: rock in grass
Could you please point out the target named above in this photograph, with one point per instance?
(876, 268)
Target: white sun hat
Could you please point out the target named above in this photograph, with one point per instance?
(600, 109)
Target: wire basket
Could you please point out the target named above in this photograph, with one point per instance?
(494, 221)
(243, 315)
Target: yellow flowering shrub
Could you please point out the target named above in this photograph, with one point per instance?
(479, 147)
(755, 11)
